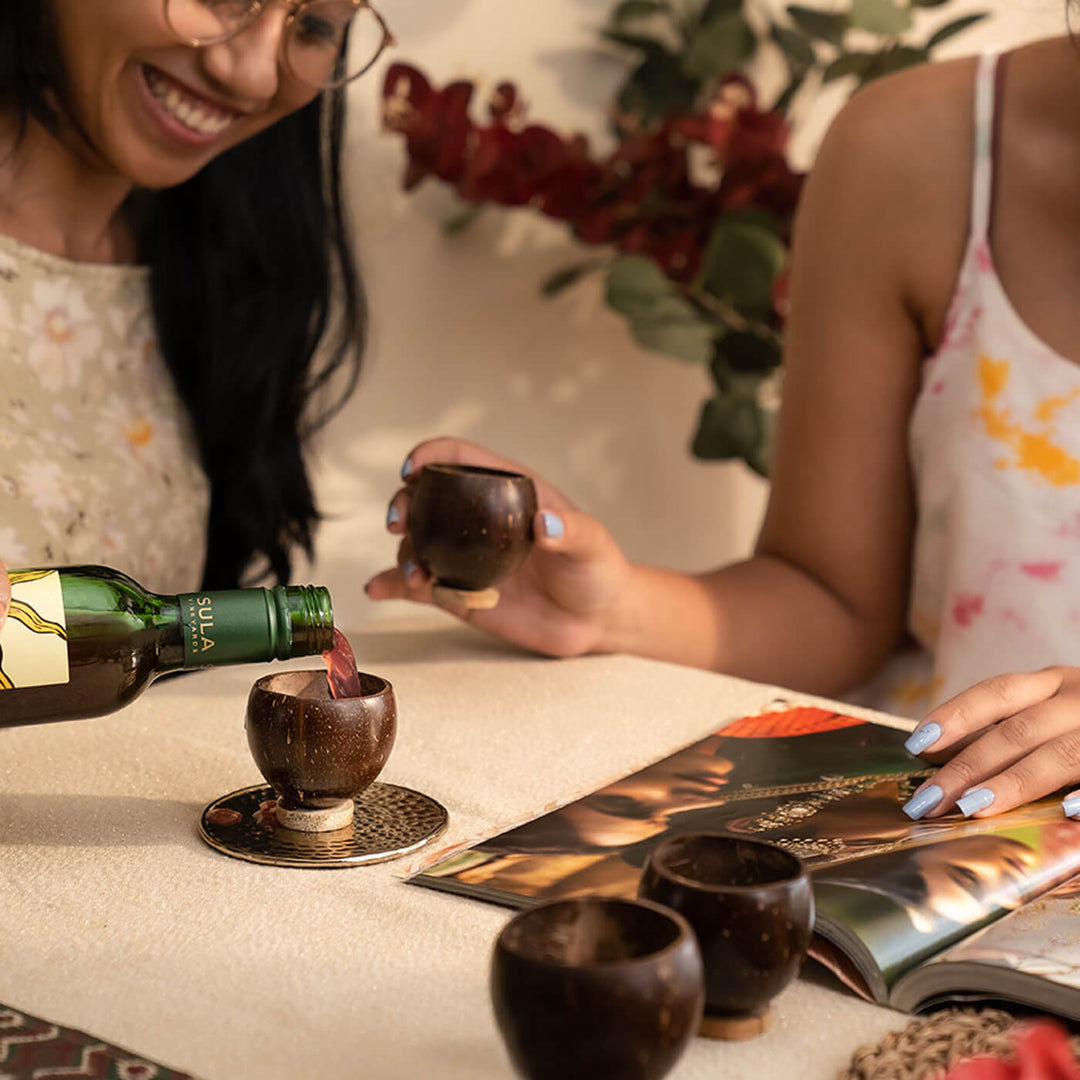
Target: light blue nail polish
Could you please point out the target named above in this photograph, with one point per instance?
(409, 568)
(406, 468)
(974, 801)
(1071, 805)
(393, 516)
(922, 738)
(553, 526)
(922, 802)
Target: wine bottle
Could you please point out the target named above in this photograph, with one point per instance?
(82, 641)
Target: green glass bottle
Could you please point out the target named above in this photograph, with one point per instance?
(82, 641)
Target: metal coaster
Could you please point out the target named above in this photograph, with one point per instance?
(389, 821)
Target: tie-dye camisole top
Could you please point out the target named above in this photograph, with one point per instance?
(995, 450)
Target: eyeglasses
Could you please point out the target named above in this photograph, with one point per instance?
(315, 37)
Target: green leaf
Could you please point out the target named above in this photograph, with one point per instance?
(824, 25)
(894, 59)
(849, 63)
(567, 276)
(657, 88)
(635, 284)
(674, 328)
(881, 17)
(633, 41)
(462, 220)
(742, 352)
(787, 95)
(741, 263)
(955, 27)
(660, 319)
(730, 426)
(637, 9)
(719, 47)
(798, 52)
(715, 9)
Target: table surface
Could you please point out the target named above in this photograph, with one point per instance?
(115, 918)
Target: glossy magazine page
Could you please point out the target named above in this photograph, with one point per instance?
(892, 911)
(1030, 955)
(825, 786)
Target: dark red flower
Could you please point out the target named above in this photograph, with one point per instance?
(435, 123)
(510, 167)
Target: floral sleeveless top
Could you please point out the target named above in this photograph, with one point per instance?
(995, 448)
(97, 463)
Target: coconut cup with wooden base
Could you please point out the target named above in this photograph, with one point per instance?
(595, 987)
(317, 752)
(751, 906)
(471, 527)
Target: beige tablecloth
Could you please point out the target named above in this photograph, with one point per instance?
(115, 918)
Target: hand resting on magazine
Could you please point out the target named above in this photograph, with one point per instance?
(1014, 738)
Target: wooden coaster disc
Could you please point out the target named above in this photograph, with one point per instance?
(735, 1027)
(481, 600)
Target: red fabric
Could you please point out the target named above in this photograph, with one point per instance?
(1041, 1052)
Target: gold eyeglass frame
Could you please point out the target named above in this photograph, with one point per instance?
(296, 8)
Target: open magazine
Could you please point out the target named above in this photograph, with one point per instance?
(908, 913)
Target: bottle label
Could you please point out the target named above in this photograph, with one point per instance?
(33, 641)
(227, 627)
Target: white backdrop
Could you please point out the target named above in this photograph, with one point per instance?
(461, 342)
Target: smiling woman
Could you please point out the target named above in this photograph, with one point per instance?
(176, 280)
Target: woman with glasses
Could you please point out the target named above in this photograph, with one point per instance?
(176, 278)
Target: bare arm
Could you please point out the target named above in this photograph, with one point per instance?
(822, 601)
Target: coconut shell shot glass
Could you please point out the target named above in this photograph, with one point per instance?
(752, 908)
(595, 987)
(471, 527)
(320, 756)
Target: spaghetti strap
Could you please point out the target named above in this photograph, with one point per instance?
(982, 178)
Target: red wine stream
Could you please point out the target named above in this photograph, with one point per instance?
(341, 670)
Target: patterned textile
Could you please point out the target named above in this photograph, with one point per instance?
(97, 464)
(33, 1049)
(995, 448)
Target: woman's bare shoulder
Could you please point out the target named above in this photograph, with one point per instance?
(907, 125)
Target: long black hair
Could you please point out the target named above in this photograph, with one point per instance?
(257, 304)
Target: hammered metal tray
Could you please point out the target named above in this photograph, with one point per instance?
(389, 821)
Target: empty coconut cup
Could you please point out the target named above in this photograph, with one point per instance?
(318, 752)
(752, 908)
(471, 527)
(596, 987)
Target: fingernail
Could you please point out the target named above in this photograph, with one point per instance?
(1071, 805)
(923, 801)
(922, 738)
(406, 467)
(409, 568)
(553, 526)
(393, 516)
(974, 801)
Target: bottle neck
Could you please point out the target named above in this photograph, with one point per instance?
(239, 626)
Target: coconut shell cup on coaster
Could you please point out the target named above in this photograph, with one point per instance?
(751, 906)
(596, 987)
(317, 752)
(471, 527)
